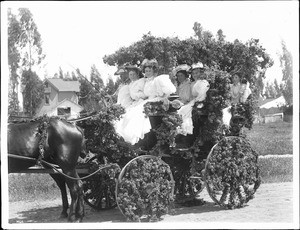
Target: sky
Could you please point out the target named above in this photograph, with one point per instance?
(78, 34)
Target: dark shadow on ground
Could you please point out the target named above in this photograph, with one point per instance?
(51, 214)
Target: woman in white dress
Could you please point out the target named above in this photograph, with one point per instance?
(129, 95)
(239, 92)
(198, 90)
(156, 88)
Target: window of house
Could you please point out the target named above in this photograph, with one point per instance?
(47, 99)
(64, 111)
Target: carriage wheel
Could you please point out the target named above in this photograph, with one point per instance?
(99, 190)
(145, 189)
(232, 173)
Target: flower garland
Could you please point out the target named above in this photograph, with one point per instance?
(145, 190)
(167, 130)
(246, 112)
(102, 139)
(232, 173)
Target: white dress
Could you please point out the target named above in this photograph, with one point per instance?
(199, 89)
(135, 92)
(124, 98)
(135, 123)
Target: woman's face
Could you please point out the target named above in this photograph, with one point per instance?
(133, 75)
(235, 79)
(181, 77)
(197, 74)
(149, 72)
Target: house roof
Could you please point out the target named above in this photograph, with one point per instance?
(262, 101)
(46, 109)
(64, 101)
(61, 85)
(274, 103)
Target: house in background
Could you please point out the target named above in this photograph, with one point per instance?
(60, 98)
(270, 110)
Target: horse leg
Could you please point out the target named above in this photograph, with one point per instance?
(60, 181)
(76, 212)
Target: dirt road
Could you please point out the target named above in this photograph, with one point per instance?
(273, 203)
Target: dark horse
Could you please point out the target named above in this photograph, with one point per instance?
(63, 143)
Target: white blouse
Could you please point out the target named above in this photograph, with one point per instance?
(199, 90)
(136, 89)
(159, 86)
(124, 98)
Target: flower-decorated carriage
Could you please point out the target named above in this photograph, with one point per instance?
(165, 167)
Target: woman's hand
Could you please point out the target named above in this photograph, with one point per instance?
(176, 104)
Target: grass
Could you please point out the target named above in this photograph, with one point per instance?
(31, 186)
(271, 138)
(276, 169)
(266, 139)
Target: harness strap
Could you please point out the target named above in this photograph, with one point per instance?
(56, 167)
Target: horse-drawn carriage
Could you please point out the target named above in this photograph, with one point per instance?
(144, 180)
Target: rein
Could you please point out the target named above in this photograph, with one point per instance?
(55, 167)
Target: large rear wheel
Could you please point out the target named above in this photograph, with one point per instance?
(232, 173)
(145, 189)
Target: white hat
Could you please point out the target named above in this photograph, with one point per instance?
(183, 67)
(149, 63)
(198, 65)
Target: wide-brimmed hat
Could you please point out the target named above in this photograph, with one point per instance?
(149, 63)
(198, 65)
(183, 67)
(132, 67)
(135, 68)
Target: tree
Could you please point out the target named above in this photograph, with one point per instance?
(286, 63)
(30, 40)
(14, 29)
(270, 91)
(96, 79)
(60, 73)
(24, 52)
(33, 92)
(278, 88)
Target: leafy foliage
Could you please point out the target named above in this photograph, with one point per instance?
(286, 63)
(232, 172)
(246, 111)
(145, 190)
(101, 138)
(24, 52)
(207, 115)
(30, 37)
(167, 129)
(249, 58)
(33, 91)
(14, 29)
